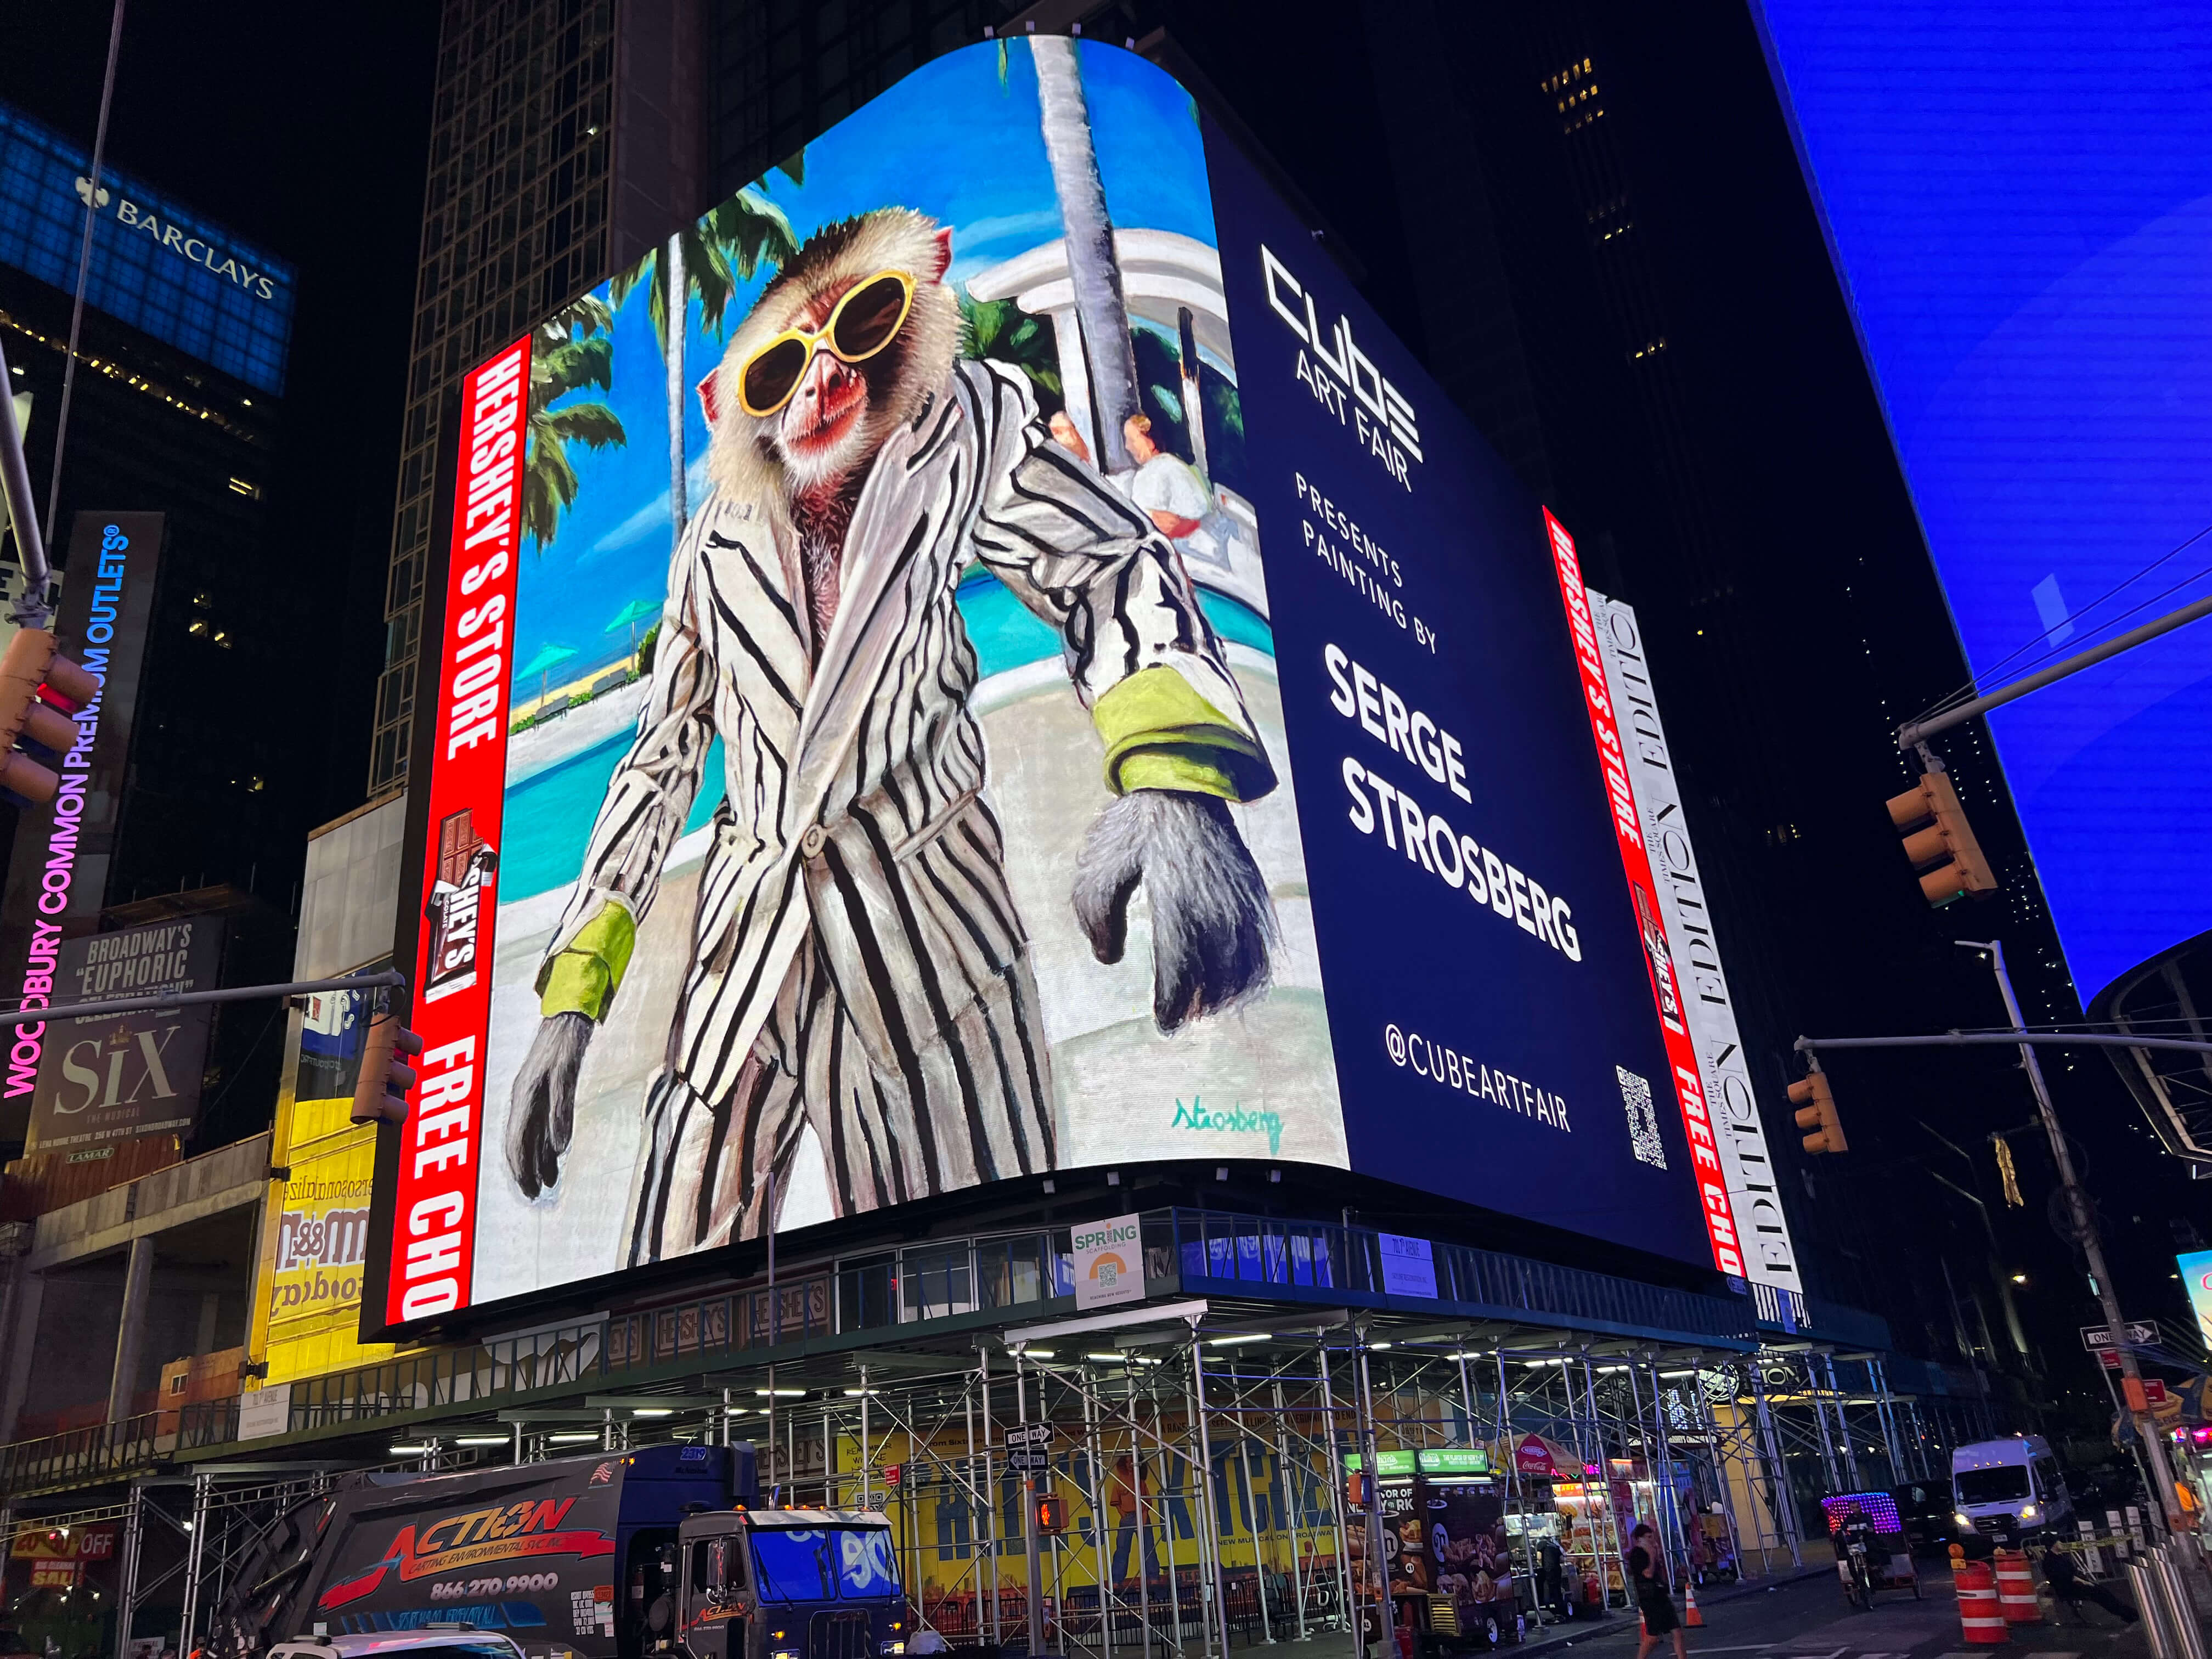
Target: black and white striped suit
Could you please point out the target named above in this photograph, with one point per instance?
(858, 962)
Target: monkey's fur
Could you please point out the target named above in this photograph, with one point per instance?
(767, 458)
(1212, 927)
(1213, 924)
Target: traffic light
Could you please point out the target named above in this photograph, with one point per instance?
(379, 1094)
(1816, 1105)
(1051, 1516)
(1939, 843)
(39, 689)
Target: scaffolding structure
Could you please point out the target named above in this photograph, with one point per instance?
(1202, 1466)
(1200, 1449)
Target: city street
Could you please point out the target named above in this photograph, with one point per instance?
(1808, 1619)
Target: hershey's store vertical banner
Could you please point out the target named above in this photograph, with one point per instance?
(58, 875)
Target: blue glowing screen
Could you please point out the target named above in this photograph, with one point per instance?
(2018, 200)
(156, 266)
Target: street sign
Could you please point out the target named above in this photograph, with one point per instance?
(1021, 1459)
(1033, 1434)
(2153, 1391)
(892, 1472)
(2095, 1337)
(2109, 1358)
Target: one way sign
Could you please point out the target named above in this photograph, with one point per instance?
(2095, 1337)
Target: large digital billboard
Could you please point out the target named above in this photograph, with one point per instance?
(2018, 197)
(157, 264)
(1025, 674)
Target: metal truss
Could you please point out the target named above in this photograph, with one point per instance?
(1203, 1460)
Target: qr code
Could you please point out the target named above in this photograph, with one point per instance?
(1643, 1120)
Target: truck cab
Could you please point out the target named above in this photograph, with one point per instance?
(2008, 1490)
(783, 1585)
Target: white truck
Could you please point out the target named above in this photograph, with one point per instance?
(2009, 1490)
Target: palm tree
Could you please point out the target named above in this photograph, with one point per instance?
(705, 261)
(573, 350)
(1003, 331)
(1102, 315)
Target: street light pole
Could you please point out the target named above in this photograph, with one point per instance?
(2093, 1248)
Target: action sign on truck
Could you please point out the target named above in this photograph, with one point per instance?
(578, 1558)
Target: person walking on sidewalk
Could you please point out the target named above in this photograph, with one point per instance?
(1647, 1571)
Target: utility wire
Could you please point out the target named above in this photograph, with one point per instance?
(83, 266)
(1967, 692)
(1968, 695)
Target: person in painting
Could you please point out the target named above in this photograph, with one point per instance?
(1166, 488)
(857, 962)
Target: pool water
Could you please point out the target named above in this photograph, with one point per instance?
(549, 815)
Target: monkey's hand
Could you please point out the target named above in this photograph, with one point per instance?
(541, 1113)
(1213, 926)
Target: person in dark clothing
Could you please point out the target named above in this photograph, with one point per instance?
(1647, 1573)
(2067, 1585)
(1551, 1575)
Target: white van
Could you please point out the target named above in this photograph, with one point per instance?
(2007, 1490)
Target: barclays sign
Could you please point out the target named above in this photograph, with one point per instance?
(157, 265)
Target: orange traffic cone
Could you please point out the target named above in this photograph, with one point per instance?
(1692, 1618)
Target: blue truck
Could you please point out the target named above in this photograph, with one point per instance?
(664, 1551)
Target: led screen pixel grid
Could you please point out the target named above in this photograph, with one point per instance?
(161, 268)
(2019, 201)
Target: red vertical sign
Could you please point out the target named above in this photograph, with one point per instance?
(434, 1226)
(1658, 956)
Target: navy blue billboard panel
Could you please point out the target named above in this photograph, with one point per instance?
(157, 264)
(1488, 986)
(1083, 699)
(2018, 197)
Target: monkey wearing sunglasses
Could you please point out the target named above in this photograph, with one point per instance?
(857, 963)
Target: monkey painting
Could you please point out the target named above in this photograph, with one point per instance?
(857, 960)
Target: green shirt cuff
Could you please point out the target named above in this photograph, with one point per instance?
(1191, 771)
(582, 977)
(1161, 734)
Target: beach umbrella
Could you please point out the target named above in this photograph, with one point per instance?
(548, 658)
(629, 617)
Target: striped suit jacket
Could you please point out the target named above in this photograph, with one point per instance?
(854, 772)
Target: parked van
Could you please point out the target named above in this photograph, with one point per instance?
(2008, 1490)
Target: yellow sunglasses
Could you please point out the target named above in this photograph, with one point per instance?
(862, 324)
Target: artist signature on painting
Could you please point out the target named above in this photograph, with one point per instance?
(1233, 1120)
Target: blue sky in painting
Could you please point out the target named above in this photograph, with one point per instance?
(952, 140)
